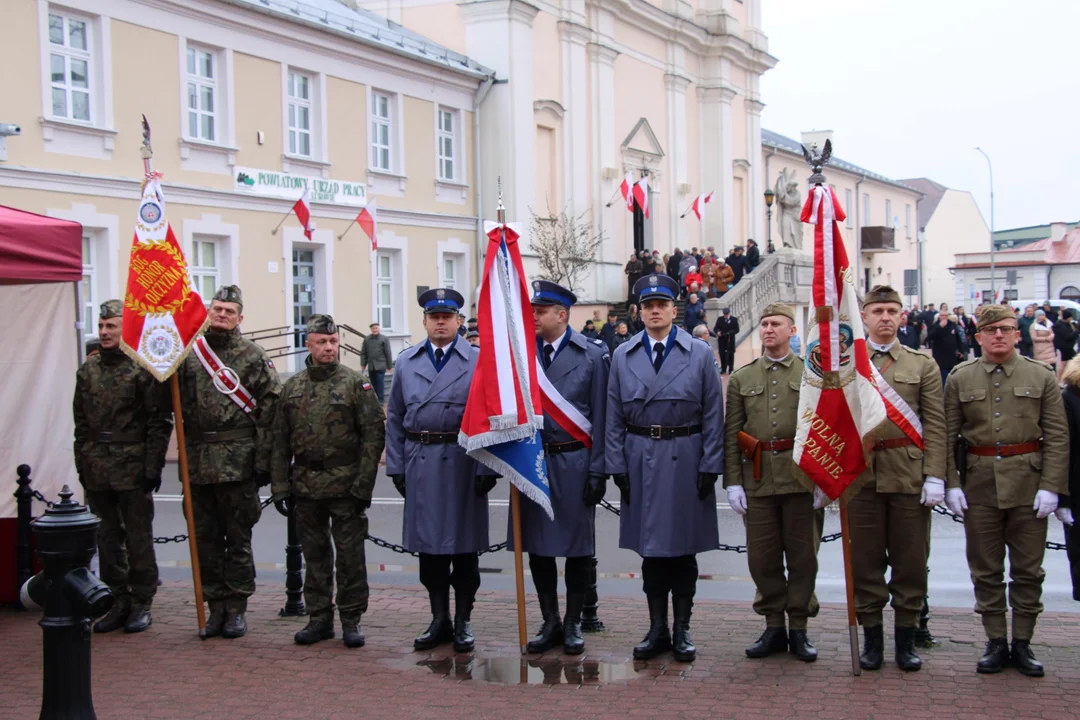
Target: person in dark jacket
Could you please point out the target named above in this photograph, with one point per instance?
(906, 333)
(673, 264)
(726, 330)
(737, 262)
(634, 323)
(966, 322)
(1066, 333)
(622, 334)
(1071, 397)
(607, 333)
(633, 272)
(1051, 313)
(1026, 346)
(589, 330)
(946, 345)
(753, 255)
(693, 313)
(376, 358)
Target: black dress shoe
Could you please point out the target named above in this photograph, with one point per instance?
(138, 620)
(551, 632)
(773, 640)
(995, 658)
(313, 632)
(873, 647)
(801, 646)
(115, 619)
(463, 636)
(658, 639)
(215, 622)
(906, 656)
(1024, 659)
(235, 625)
(440, 631)
(573, 640)
(352, 635)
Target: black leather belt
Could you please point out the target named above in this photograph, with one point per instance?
(337, 460)
(432, 438)
(563, 447)
(107, 436)
(216, 436)
(659, 432)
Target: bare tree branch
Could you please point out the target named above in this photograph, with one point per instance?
(565, 247)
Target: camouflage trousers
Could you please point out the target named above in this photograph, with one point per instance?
(344, 520)
(126, 543)
(225, 513)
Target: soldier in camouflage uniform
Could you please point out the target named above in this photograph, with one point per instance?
(122, 427)
(229, 459)
(330, 425)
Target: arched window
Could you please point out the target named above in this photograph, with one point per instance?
(1070, 292)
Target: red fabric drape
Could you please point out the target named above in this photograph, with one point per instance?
(38, 249)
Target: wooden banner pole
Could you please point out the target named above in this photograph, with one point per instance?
(849, 583)
(515, 511)
(185, 481)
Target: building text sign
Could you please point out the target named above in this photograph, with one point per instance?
(271, 183)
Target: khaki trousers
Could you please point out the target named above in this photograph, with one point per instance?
(784, 529)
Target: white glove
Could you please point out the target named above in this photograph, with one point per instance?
(956, 502)
(1065, 515)
(933, 491)
(736, 498)
(1046, 502)
(820, 498)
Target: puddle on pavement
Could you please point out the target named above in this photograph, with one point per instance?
(511, 670)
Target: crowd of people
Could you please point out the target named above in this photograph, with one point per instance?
(696, 271)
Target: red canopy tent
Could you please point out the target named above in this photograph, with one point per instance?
(40, 268)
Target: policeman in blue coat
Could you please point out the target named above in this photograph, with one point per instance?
(665, 449)
(578, 368)
(445, 491)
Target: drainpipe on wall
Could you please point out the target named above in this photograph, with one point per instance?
(481, 93)
(918, 247)
(858, 230)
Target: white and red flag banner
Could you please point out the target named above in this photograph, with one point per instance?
(368, 223)
(627, 190)
(641, 194)
(562, 411)
(839, 404)
(699, 204)
(898, 410)
(302, 208)
(163, 314)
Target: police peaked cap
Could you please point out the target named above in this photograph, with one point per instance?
(546, 292)
(656, 286)
(441, 300)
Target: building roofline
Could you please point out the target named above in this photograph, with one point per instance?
(793, 147)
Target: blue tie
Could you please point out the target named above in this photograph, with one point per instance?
(658, 357)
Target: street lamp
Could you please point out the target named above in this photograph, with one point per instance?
(993, 287)
(769, 197)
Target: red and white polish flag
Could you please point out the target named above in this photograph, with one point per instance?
(699, 204)
(641, 194)
(302, 208)
(627, 190)
(368, 223)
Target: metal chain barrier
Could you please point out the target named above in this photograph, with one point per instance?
(39, 496)
(942, 510)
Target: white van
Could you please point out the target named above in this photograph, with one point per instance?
(1056, 304)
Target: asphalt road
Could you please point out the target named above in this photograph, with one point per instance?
(950, 585)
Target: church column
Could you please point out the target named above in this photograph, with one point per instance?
(716, 164)
(676, 122)
(605, 219)
(755, 194)
(573, 38)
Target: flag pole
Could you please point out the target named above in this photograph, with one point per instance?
(282, 221)
(849, 583)
(339, 237)
(612, 200)
(515, 498)
(185, 482)
(688, 209)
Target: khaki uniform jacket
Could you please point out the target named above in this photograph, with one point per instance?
(916, 379)
(1015, 403)
(763, 401)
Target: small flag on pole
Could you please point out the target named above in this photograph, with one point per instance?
(641, 194)
(699, 204)
(627, 190)
(302, 208)
(368, 222)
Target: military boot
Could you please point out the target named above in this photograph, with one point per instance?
(463, 635)
(906, 656)
(800, 645)
(995, 658)
(235, 625)
(551, 632)
(440, 630)
(116, 618)
(321, 628)
(139, 619)
(873, 647)
(773, 640)
(573, 640)
(216, 620)
(350, 632)
(658, 639)
(682, 647)
(1024, 659)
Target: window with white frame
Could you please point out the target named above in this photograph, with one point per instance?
(865, 209)
(88, 286)
(382, 106)
(449, 271)
(848, 208)
(888, 214)
(300, 113)
(205, 266)
(202, 89)
(907, 221)
(445, 135)
(70, 58)
(384, 290)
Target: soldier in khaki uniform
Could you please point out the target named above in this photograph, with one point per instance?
(890, 515)
(781, 522)
(1005, 416)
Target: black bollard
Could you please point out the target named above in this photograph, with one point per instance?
(24, 545)
(294, 571)
(66, 540)
(590, 623)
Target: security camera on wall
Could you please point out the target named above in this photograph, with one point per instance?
(9, 129)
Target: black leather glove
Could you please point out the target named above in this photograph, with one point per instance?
(622, 481)
(705, 484)
(284, 505)
(399, 483)
(595, 487)
(150, 483)
(365, 504)
(261, 477)
(484, 484)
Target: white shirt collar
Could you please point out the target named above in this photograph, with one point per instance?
(444, 348)
(776, 360)
(881, 348)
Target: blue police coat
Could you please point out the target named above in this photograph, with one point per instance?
(664, 517)
(443, 515)
(579, 371)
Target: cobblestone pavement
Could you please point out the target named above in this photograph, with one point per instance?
(168, 672)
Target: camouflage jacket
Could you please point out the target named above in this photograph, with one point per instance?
(328, 413)
(206, 409)
(114, 395)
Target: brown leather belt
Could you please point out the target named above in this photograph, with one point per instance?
(891, 443)
(752, 448)
(107, 436)
(341, 459)
(432, 438)
(659, 432)
(778, 445)
(563, 447)
(216, 436)
(1005, 450)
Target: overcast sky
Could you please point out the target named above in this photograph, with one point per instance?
(910, 87)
